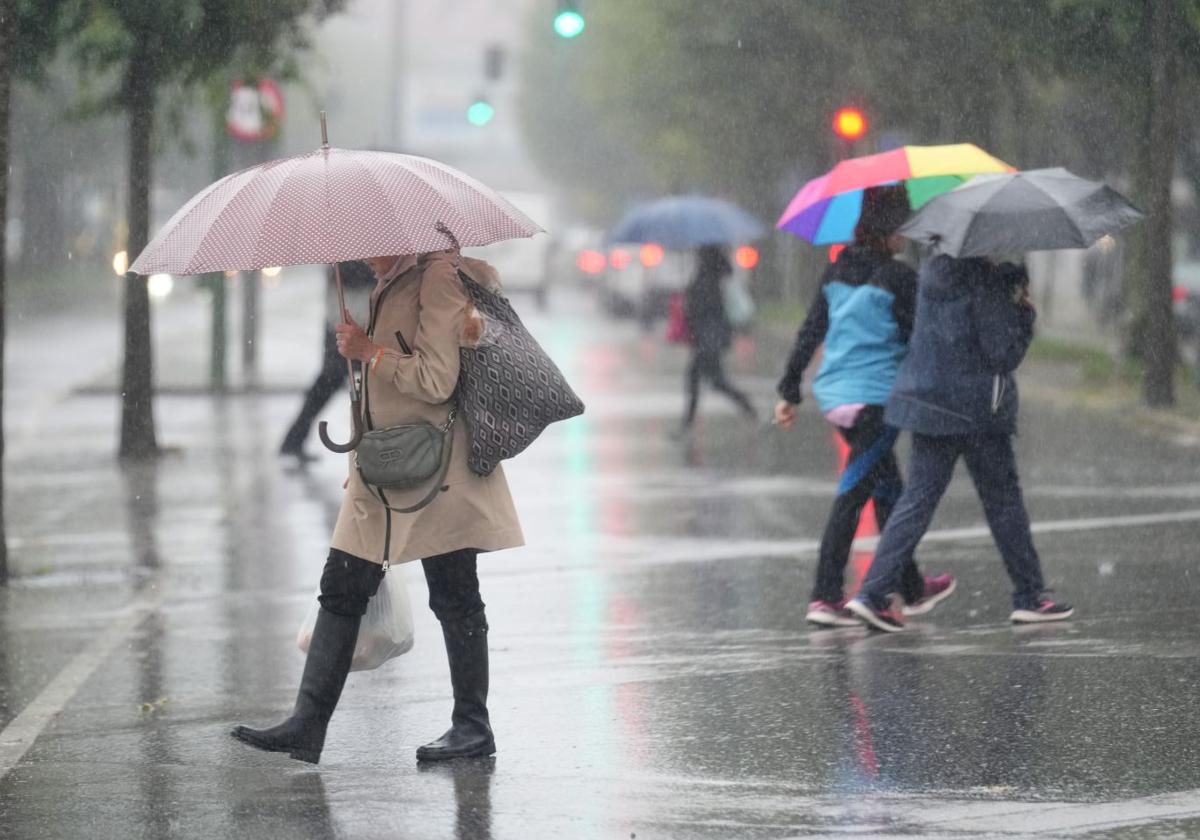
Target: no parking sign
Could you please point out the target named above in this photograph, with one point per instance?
(254, 112)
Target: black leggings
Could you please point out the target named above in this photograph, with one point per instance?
(706, 364)
(348, 582)
(871, 473)
(453, 584)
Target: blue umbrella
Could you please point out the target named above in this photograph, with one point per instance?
(687, 221)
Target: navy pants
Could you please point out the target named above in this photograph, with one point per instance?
(871, 472)
(993, 468)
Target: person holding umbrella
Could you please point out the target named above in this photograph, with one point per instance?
(710, 333)
(956, 393)
(708, 225)
(863, 314)
(419, 296)
(955, 390)
(328, 206)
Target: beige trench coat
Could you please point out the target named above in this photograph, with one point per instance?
(426, 302)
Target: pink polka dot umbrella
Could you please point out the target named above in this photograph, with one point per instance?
(329, 206)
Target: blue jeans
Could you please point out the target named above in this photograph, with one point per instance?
(993, 468)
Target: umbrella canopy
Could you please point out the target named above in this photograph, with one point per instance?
(329, 206)
(826, 209)
(687, 221)
(1037, 210)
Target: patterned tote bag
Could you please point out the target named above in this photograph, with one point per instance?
(509, 390)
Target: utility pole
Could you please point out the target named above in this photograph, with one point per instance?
(216, 279)
(8, 33)
(396, 105)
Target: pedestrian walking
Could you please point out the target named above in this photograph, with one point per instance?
(357, 280)
(420, 317)
(862, 314)
(955, 391)
(710, 331)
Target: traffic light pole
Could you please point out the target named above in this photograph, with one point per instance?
(216, 279)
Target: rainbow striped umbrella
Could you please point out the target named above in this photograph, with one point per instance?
(826, 209)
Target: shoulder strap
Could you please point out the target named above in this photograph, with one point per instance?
(437, 488)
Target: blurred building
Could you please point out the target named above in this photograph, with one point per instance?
(402, 75)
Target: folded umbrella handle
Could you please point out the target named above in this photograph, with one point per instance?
(355, 439)
(356, 417)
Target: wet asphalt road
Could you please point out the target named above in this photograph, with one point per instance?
(652, 673)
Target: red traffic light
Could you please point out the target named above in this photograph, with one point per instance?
(849, 124)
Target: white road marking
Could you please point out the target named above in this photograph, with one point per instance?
(24, 729)
(920, 818)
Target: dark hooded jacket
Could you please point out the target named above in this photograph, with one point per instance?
(704, 302)
(969, 336)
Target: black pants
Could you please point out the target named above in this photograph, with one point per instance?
(331, 377)
(993, 468)
(706, 364)
(871, 472)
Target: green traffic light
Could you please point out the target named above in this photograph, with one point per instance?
(480, 113)
(569, 24)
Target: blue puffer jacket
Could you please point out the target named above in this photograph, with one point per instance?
(968, 338)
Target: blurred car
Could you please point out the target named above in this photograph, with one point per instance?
(639, 279)
(1185, 297)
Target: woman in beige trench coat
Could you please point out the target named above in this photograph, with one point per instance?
(420, 317)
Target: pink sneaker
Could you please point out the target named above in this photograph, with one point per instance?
(937, 589)
(829, 614)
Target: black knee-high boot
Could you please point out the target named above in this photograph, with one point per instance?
(302, 735)
(347, 584)
(470, 734)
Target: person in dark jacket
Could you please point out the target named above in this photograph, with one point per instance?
(863, 314)
(956, 392)
(357, 282)
(711, 332)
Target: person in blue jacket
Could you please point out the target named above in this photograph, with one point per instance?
(955, 391)
(863, 315)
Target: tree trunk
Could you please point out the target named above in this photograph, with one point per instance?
(8, 31)
(137, 391)
(1159, 340)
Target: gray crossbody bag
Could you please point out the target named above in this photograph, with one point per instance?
(405, 456)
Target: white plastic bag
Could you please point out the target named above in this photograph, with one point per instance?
(386, 630)
(739, 305)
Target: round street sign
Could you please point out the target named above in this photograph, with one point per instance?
(254, 112)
